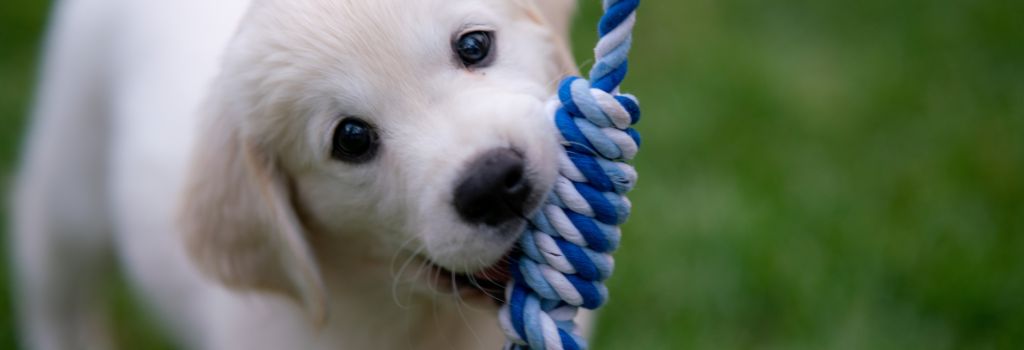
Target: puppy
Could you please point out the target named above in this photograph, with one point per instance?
(287, 174)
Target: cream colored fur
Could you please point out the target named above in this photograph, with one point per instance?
(190, 138)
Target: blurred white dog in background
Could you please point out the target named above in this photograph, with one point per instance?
(286, 174)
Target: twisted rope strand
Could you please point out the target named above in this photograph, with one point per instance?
(566, 250)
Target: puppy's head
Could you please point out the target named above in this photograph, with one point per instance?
(399, 127)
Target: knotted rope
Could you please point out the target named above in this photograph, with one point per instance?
(566, 249)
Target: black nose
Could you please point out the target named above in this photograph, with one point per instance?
(494, 189)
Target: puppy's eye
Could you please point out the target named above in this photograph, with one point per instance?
(473, 48)
(354, 141)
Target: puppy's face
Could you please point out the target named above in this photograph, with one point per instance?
(418, 126)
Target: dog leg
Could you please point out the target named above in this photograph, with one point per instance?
(60, 233)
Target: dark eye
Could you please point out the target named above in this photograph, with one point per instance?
(473, 48)
(354, 141)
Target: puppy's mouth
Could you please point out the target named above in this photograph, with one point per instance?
(486, 284)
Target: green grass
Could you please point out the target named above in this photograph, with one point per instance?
(814, 174)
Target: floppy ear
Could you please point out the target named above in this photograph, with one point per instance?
(239, 223)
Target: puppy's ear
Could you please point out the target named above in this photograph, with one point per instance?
(239, 223)
(556, 15)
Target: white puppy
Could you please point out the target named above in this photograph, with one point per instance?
(287, 174)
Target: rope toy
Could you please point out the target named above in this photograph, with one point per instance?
(566, 249)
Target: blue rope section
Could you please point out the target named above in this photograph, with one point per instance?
(566, 250)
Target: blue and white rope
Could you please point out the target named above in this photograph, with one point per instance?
(566, 250)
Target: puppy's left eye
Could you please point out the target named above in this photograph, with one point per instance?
(354, 141)
(474, 48)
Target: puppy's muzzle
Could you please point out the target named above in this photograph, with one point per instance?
(495, 189)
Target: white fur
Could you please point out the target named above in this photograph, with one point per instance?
(190, 138)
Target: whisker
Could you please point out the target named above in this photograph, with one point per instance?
(416, 277)
(585, 63)
(458, 307)
(434, 305)
(433, 281)
(394, 258)
(437, 319)
(474, 282)
(396, 278)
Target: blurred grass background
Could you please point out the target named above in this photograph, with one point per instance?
(21, 25)
(814, 174)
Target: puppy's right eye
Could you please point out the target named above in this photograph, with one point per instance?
(473, 48)
(354, 141)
